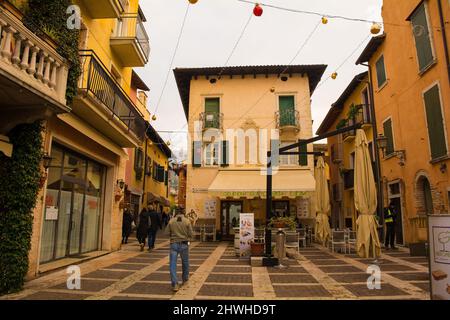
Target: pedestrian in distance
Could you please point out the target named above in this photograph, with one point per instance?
(180, 232)
(390, 218)
(126, 225)
(155, 224)
(142, 229)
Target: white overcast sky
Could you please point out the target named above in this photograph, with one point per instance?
(213, 27)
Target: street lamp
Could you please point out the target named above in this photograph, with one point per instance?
(46, 161)
(382, 142)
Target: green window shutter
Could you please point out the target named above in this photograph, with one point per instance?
(287, 110)
(303, 158)
(381, 72)
(225, 154)
(387, 127)
(212, 113)
(197, 154)
(435, 121)
(166, 177)
(422, 37)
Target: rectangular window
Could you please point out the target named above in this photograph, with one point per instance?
(422, 37)
(287, 110)
(212, 113)
(155, 171)
(435, 123)
(211, 154)
(387, 128)
(381, 72)
(288, 160)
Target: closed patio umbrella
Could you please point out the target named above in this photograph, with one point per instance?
(367, 241)
(322, 203)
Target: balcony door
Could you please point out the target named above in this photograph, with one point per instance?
(212, 113)
(287, 110)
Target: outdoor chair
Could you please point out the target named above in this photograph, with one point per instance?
(351, 240)
(338, 241)
(260, 235)
(302, 237)
(198, 231)
(292, 240)
(209, 230)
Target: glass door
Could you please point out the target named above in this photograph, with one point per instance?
(230, 212)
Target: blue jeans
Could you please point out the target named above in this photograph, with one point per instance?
(182, 250)
(151, 238)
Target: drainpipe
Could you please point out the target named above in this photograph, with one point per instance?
(444, 37)
(380, 194)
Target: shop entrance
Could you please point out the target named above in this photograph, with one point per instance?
(72, 216)
(229, 218)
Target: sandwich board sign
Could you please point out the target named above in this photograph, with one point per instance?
(439, 255)
(246, 233)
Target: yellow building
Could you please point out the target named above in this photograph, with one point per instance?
(233, 115)
(410, 72)
(352, 107)
(78, 212)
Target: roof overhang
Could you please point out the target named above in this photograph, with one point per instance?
(371, 48)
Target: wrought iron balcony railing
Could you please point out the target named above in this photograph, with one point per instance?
(288, 119)
(99, 82)
(362, 117)
(212, 120)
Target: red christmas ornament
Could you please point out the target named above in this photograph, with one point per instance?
(258, 10)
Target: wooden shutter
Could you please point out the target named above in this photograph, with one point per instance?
(422, 37)
(303, 158)
(387, 128)
(197, 154)
(381, 71)
(435, 121)
(166, 177)
(212, 113)
(225, 154)
(287, 110)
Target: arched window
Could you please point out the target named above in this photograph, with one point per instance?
(427, 197)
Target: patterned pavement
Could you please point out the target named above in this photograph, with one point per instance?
(216, 273)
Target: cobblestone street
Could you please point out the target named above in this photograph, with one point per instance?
(217, 274)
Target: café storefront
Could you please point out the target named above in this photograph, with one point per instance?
(244, 191)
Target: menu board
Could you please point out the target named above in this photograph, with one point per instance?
(51, 213)
(439, 239)
(303, 208)
(246, 233)
(210, 209)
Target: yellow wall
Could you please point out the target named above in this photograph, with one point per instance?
(401, 99)
(347, 209)
(238, 97)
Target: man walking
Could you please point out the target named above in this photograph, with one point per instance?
(180, 232)
(390, 217)
(154, 225)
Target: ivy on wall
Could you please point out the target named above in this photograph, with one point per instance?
(20, 178)
(49, 18)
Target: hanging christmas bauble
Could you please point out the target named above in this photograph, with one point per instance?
(324, 20)
(193, 1)
(154, 118)
(168, 143)
(334, 75)
(258, 10)
(375, 28)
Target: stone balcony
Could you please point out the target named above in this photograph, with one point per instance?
(33, 76)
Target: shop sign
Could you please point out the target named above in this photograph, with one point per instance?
(210, 209)
(439, 255)
(246, 233)
(260, 194)
(51, 213)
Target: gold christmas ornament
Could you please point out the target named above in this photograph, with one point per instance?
(154, 118)
(375, 28)
(168, 143)
(324, 20)
(193, 1)
(334, 75)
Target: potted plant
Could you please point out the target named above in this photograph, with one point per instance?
(257, 249)
(282, 223)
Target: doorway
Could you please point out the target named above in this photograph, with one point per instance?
(395, 197)
(229, 218)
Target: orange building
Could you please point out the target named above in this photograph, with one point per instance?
(410, 71)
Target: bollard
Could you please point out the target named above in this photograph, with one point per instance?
(281, 250)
